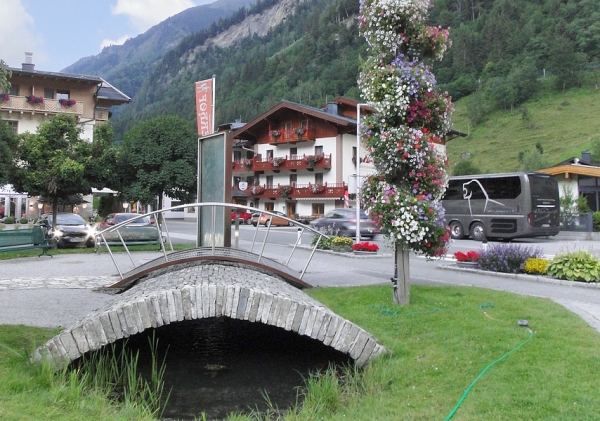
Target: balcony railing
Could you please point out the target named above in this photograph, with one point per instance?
(19, 104)
(295, 191)
(294, 162)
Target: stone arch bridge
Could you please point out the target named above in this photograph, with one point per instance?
(210, 282)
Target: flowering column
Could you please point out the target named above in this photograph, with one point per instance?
(409, 116)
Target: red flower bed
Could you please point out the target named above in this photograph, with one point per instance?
(470, 256)
(365, 246)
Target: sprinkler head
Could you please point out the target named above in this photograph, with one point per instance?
(523, 323)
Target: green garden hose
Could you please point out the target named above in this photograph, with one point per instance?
(463, 397)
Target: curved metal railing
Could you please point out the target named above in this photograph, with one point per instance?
(212, 249)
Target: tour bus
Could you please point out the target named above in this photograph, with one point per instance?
(502, 206)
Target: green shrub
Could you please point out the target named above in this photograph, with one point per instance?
(596, 221)
(9, 220)
(324, 244)
(536, 266)
(575, 266)
(23, 220)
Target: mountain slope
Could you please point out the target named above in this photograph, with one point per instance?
(507, 52)
(127, 65)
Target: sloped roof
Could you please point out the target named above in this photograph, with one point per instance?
(108, 92)
(17, 71)
(579, 169)
(105, 91)
(573, 165)
(287, 106)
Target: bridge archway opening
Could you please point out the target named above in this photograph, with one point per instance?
(220, 365)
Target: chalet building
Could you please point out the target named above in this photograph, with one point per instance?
(298, 159)
(35, 95)
(578, 177)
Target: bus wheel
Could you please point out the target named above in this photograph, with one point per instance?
(478, 231)
(457, 232)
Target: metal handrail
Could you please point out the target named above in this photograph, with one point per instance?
(158, 216)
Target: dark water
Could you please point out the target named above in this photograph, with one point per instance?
(222, 365)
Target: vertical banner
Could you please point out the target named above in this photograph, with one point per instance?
(205, 94)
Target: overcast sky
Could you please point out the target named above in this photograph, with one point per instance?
(59, 32)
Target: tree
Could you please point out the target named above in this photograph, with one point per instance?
(5, 74)
(7, 145)
(55, 163)
(159, 157)
(409, 116)
(533, 160)
(595, 150)
(465, 167)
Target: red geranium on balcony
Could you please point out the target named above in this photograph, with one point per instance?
(32, 99)
(4, 97)
(247, 163)
(317, 188)
(67, 102)
(278, 161)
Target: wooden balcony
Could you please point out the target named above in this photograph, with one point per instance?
(276, 164)
(19, 105)
(295, 191)
(292, 136)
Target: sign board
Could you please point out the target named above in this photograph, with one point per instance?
(214, 185)
(205, 103)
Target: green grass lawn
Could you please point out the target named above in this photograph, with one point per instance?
(440, 343)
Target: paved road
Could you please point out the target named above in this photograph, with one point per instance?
(55, 292)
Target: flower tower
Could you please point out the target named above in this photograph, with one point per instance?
(409, 116)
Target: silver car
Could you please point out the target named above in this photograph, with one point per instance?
(342, 222)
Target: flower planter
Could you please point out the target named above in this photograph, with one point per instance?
(364, 253)
(341, 249)
(468, 265)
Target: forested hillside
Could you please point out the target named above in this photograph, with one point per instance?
(503, 52)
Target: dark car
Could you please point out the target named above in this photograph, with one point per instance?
(343, 222)
(142, 229)
(71, 230)
(245, 217)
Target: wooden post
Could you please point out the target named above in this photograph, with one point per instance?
(402, 283)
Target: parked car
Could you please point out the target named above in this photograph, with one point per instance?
(141, 230)
(245, 217)
(71, 230)
(342, 222)
(255, 218)
(267, 219)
